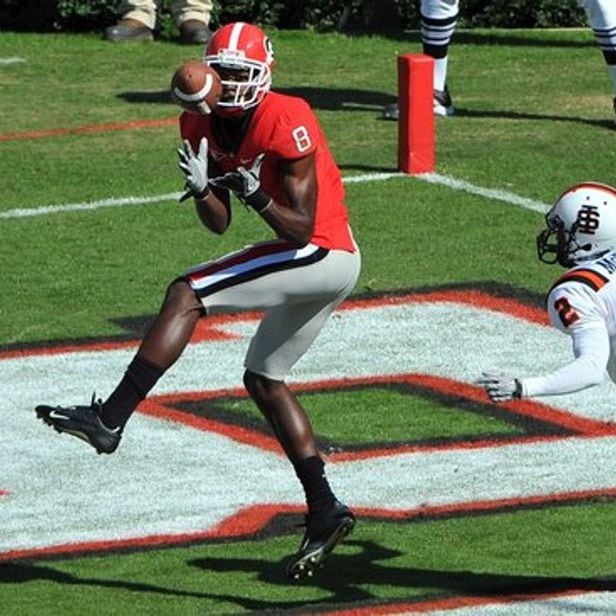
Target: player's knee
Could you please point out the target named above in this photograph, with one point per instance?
(180, 297)
(257, 385)
(252, 383)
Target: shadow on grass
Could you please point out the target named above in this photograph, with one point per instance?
(346, 574)
(22, 573)
(329, 99)
(520, 115)
(344, 579)
(320, 98)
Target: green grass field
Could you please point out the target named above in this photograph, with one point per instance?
(533, 117)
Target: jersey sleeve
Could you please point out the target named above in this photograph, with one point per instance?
(573, 304)
(575, 309)
(295, 132)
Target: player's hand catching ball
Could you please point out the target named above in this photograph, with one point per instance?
(246, 185)
(194, 167)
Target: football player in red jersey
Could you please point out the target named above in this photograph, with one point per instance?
(269, 151)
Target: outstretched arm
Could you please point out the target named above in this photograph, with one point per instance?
(591, 348)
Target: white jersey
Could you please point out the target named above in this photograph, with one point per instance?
(582, 304)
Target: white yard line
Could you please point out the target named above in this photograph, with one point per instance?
(432, 178)
(44, 210)
(14, 60)
(490, 193)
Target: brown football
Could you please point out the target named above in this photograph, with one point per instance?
(196, 87)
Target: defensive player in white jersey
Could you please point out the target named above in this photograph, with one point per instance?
(580, 235)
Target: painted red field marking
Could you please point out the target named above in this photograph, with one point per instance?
(239, 434)
(206, 330)
(495, 505)
(472, 297)
(209, 328)
(251, 520)
(451, 603)
(87, 129)
(162, 407)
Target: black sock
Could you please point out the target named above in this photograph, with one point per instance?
(141, 375)
(319, 495)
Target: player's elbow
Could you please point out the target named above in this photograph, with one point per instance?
(595, 376)
(298, 235)
(217, 227)
(594, 372)
(215, 223)
(303, 233)
(300, 240)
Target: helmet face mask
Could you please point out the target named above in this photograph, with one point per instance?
(580, 226)
(242, 55)
(241, 87)
(555, 244)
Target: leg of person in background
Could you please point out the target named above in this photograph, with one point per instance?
(438, 23)
(136, 24)
(602, 20)
(193, 19)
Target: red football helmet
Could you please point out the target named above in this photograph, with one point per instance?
(243, 56)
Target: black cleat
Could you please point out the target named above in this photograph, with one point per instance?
(84, 422)
(323, 534)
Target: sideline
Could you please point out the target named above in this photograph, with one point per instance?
(432, 178)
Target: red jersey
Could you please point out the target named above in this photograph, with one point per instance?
(285, 128)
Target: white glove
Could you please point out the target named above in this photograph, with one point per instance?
(500, 387)
(246, 185)
(194, 167)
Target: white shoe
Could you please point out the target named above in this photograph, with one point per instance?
(442, 106)
(442, 103)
